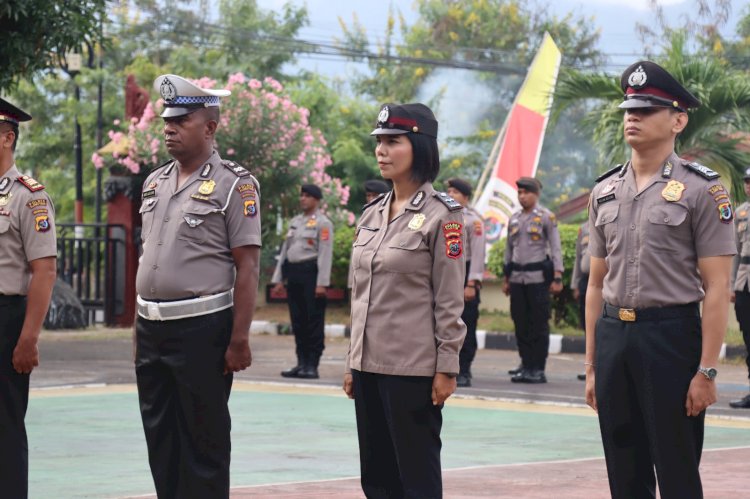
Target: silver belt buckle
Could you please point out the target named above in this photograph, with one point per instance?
(153, 311)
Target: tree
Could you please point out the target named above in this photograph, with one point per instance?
(36, 33)
(714, 130)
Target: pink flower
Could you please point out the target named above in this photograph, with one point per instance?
(98, 161)
(116, 122)
(230, 151)
(254, 84)
(350, 219)
(234, 79)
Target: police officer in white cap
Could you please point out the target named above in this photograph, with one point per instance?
(197, 282)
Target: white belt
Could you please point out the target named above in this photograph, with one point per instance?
(182, 309)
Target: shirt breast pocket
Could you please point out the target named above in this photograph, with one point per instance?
(407, 253)
(147, 216)
(607, 220)
(4, 224)
(535, 232)
(362, 245)
(667, 228)
(194, 223)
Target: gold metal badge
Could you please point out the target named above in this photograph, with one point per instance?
(626, 314)
(207, 187)
(673, 191)
(416, 221)
(5, 199)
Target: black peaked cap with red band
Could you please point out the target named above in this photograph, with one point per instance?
(395, 119)
(11, 114)
(646, 84)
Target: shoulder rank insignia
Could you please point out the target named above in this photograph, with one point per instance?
(30, 183)
(374, 201)
(449, 202)
(4, 183)
(238, 170)
(701, 170)
(167, 165)
(608, 173)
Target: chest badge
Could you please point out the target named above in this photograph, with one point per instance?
(673, 191)
(152, 185)
(608, 188)
(207, 187)
(311, 223)
(193, 222)
(416, 221)
(5, 198)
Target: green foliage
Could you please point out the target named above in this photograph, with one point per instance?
(343, 235)
(37, 32)
(564, 307)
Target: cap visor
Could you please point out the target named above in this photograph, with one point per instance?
(640, 103)
(388, 131)
(173, 112)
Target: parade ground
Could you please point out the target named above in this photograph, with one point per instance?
(298, 439)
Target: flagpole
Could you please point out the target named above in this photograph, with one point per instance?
(490, 160)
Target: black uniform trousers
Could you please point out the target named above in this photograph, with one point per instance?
(583, 284)
(183, 396)
(643, 371)
(14, 399)
(470, 316)
(307, 312)
(742, 311)
(399, 436)
(530, 310)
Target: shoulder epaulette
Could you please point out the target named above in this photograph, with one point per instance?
(238, 170)
(608, 173)
(30, 183)
(701, 170)
(449, 202)
(377, 199)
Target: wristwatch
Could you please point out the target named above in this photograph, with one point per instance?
(709, 372)
(557, 279)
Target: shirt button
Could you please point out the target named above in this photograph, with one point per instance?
(166, 219)
(155, 267)
(153, 290)
(632, 227)
(666, 219)
(402, 244)
(630, 294)
(632, 260)
(159, 243)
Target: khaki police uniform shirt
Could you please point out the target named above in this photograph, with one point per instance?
(27, 230)
(741, 271)
(188, 233)
(582, 263)
(532, 237)
(310, 237)
(652, 240)
(407, 295)
(475, 243)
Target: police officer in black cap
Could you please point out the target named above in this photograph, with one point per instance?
(460, 190)
(661, 241)
(741, 281)
(374, 188)
(305, 265)
(28, 250)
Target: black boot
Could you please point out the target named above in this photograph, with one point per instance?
(517, 370)
(310, 369)
(294, 371)
(463, 380)
(743, 403)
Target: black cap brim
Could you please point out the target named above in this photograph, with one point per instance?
(388, 131)
(174, 112)
(642, 103)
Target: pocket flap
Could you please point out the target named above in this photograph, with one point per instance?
(199, 209)
(148, 205)
(406, 241)
(607, 214)
(672, 215)
(364, 236)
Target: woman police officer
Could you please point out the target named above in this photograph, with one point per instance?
(407, 300)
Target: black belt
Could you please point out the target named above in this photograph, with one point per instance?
(304, 265)
(8, 299)
(653, 313)
(745, 259)
(527, 267)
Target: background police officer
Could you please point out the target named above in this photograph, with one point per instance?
(579, 280)
(373, 189)
(28, 250)
(305, 264)
(460, 190)
(533, 269)
(741, 280)
(661, 242)
(197, 282)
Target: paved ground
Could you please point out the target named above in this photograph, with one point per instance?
(298, 440)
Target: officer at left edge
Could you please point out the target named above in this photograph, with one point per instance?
(741, 280)
(197, 282)
(28, 251)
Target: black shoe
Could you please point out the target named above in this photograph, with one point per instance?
(582, 377)
(515, 371)
(308, 372)
(293, 372)
(743, 403)
(463, 380)
(535, 376)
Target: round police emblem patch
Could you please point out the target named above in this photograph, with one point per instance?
(384, 114)
(637, 78)
(167, 90)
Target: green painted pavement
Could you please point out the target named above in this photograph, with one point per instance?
(92, 445)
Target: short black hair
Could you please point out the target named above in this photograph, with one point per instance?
(426, 163)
